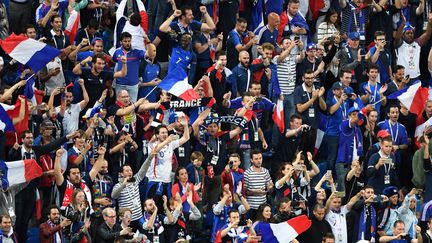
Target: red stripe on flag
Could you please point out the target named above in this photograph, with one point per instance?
(11, 42)
(189, 95)
(300, 224)
(418, 103)
(31, 169)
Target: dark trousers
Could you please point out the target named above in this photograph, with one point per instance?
(25, 205)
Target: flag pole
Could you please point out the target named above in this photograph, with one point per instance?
(150, 92)
(31, 76)
(378, 101)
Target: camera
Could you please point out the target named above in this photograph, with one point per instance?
(298, 167)
(62, 90)
(73, 216)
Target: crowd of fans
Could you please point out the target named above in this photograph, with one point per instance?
(126, 161)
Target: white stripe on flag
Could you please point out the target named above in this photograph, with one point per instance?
(16, 172)
(180, 87)
(407, 98)
(25, 50)
(283, 232)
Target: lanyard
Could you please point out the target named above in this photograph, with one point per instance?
(343, 108)
(9, 196)
(391, 131)
(387, 170)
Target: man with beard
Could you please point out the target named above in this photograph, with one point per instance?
(72, 182)
(309, 101)
(241, 77)
(70, 112)
(408, 48)
(133, 57)
(181, 56)
(351, 58)
(96, 79)
(186, 22)
(51, 230)
(399, 82)
(235, 43)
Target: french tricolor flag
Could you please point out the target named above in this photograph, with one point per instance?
(278, 116)
(283, 232)
(72, 25)
(29, 52)
(176, 83)
(20, 171)
(412, 97)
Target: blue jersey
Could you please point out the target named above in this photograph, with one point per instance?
(134, 58)
(179, 57)
(398, 134)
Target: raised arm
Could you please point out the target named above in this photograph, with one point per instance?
(83, 103)
(98, 164)
(209, 24)
(8, 93)
(58, 175)
(165, 26)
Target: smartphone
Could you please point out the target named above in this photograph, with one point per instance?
(340, 194)
(132, 179)
(407, 77)
(388, 161)
(62, 90)
(296, 38)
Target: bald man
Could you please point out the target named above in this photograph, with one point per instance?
(150, 75)
(241, 77)
(269, 32)
(235, 43)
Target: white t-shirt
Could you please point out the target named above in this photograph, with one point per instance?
(338, 224)
(408, 55)
(71, 118)
(161, 166)
(138, 34)
(54, 81)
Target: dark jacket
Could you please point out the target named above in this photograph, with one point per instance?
(106, 235)
(47, 233)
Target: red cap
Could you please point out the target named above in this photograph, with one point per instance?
(383, 134)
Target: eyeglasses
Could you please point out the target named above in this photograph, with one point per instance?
(231, 161)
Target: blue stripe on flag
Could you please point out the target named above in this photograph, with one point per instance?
(42, 57)
(4, 175)
(267, 235)
(5, 121)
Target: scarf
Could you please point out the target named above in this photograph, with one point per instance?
(67, 198)
(52, 225)
(129, 118)
(362, 223)
(218, 74)
(239, 235)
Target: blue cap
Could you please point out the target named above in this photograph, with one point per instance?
(390, 191)
(348, 90)
(310, 46)
(407, 27)
(337, 85)
(353, 109)
(354, 36)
